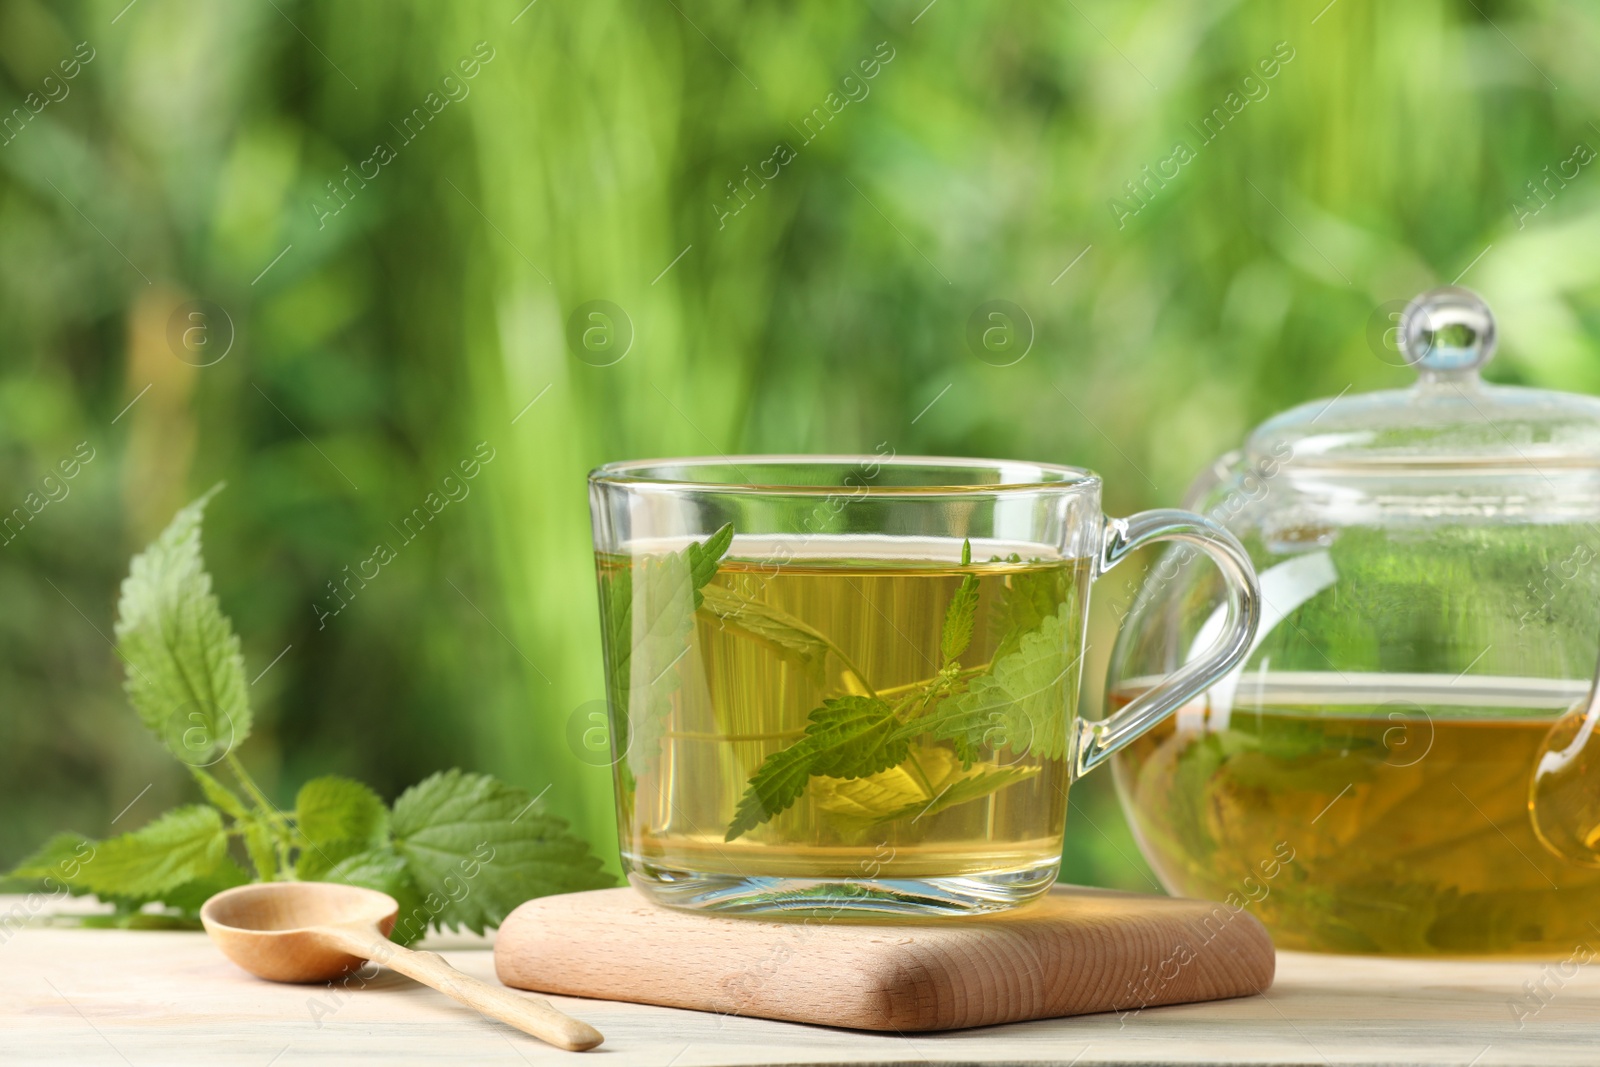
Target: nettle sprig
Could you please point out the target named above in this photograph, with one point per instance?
(879, 755)
(455, 850)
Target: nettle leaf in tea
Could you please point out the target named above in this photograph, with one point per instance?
(897, 793)
(647, 613)
(1019, 697)
(839, 697)
(849, 737)
(787, 635)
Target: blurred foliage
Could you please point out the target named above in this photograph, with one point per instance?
(592, 156)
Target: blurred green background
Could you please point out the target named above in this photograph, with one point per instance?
(385, 253)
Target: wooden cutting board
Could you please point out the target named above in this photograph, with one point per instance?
(1073, 952)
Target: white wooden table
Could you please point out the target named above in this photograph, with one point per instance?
(131, 999)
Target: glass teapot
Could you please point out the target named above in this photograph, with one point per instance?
(1406, 761)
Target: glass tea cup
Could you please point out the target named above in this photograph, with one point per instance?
(849, 685)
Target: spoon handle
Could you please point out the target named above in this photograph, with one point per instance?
(528, 1014)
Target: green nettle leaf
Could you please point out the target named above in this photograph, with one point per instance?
(644, 609)
(1022, 704)
(704, 557)
(220, 795)
(663, 616)
(864, 800)
(960, 615)
(783, 633)
(968, 788)
(649, 616)
(261, 845)
(385, 870)
(773, 789)
(317, 861)
(54, 863)
(849, 737)
(185, 674)
(972, 720)
(337, 818)
(616, 630)
(1036, 678)
(1030, 598)
(333, 809)
(897, 793)
(181, 846)
(854, 736)
(459, 849)
(477, 847)
(188, 897)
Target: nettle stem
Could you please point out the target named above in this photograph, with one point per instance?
(273, 820)
(923, 683)
(248, 784)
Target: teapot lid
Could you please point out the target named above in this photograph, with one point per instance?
(1450, 418)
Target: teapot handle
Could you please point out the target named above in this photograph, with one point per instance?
(1097, 740)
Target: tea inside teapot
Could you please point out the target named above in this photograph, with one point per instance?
(1397, 805)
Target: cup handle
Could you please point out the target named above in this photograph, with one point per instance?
(1097, 740)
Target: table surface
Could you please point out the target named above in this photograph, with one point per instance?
(131, 998)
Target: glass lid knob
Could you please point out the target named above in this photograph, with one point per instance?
(1447, 331)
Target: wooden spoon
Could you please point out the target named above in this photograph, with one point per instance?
(316, 931)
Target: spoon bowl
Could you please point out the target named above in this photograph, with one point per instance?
(316, 931)
(274, 929)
